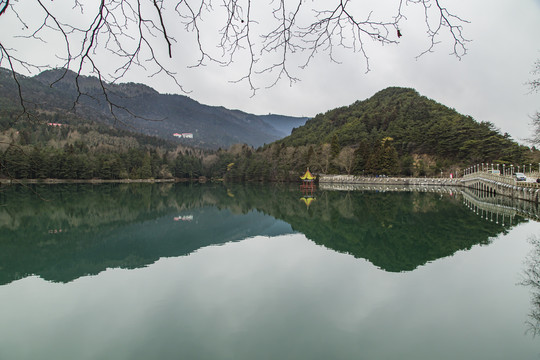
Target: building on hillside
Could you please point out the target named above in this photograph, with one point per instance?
(183, 135)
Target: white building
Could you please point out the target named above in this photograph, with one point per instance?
(184, 135)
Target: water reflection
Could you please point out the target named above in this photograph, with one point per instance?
(531, 279)
(69, 231)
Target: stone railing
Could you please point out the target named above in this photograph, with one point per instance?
(352, 179)
(504, 179)
(482, 181)
(488, 176)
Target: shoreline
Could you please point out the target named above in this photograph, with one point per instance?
(323, 179)
(87, 181)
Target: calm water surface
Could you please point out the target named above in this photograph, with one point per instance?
(262, 272)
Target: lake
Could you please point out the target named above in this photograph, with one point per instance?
(209, 271)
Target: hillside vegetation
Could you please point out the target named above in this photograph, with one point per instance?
(139, 108)
(395, 132)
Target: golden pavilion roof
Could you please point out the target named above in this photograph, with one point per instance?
(308, 200)
(307, 176)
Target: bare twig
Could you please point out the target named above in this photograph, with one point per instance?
(128, 29)
(531, 279)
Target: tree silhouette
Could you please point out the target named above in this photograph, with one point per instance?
(109, 38)
(531, 279)
(534, 85)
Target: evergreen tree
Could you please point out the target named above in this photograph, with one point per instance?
(335, 147)
(146, 168)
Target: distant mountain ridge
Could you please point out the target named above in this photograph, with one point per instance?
(157, 114)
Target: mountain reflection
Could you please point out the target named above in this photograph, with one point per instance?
(62, 232)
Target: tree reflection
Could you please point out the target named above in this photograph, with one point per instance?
(532, 280)
(84, 229)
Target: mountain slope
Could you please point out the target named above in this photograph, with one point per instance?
(415, 125)
(157, 114)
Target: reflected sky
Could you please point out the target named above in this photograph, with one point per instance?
(279, 297)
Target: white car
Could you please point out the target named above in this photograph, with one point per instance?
(520, 176)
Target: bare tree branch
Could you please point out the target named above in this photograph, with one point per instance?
(6, 56)
(163, 28)
(531, 279)
(263, 36)
(452, 22)
(3, 6)
(534, 84)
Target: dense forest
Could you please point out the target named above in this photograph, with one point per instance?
(64, 146)
(395, 132)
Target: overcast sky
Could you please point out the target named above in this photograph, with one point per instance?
(489, 83)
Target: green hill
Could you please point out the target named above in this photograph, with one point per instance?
(395, 132)
(415, 124)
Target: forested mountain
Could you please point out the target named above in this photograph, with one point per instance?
(398, 131)
(156, 114)
(415, 123)
(395, 132)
